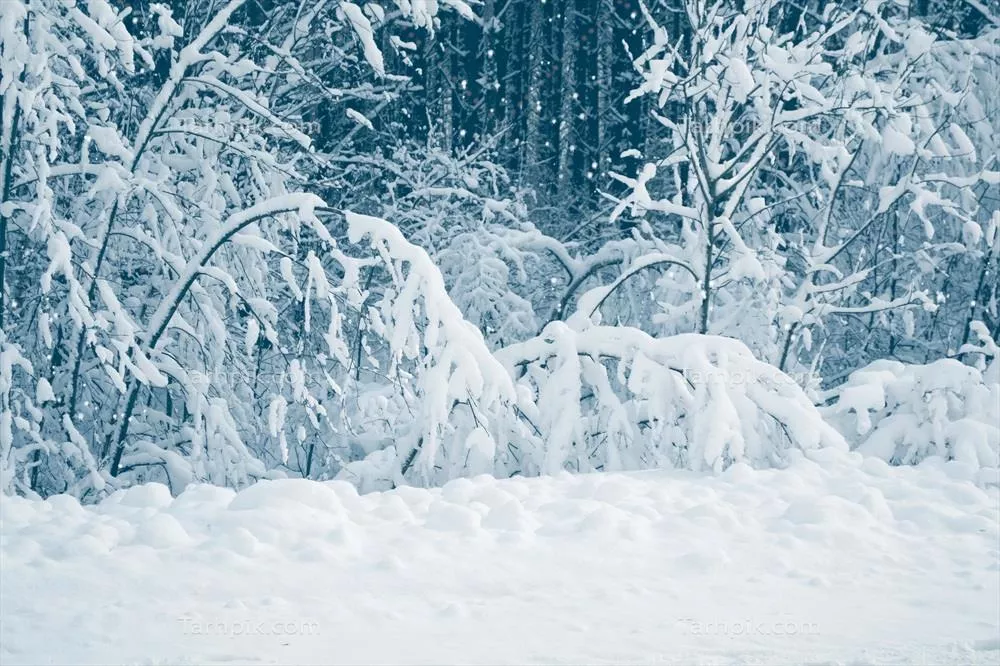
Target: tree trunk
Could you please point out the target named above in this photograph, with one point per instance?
(567, 91)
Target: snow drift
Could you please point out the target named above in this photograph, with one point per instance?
(836, 559)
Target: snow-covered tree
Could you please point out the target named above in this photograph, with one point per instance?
(325, 238)
(191, 300)
(766, 139)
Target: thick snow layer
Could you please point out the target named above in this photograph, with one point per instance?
(833, 560)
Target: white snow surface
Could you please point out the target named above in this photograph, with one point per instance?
(837, 559)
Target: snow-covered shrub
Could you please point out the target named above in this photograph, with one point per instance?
(801, 169)
(444, 359)
(478, 266)
(197, 320)
(905, 413)
(464, 211)
(612, 397)
(184, 298)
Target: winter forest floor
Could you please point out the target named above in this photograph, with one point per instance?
(833, 560)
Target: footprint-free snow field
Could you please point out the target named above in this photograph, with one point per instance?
(835, 559)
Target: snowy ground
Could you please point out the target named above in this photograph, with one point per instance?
(845, 561)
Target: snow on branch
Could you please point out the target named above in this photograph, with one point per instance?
(612, 397)
(458, 366)
(906, 413)
(303, 204)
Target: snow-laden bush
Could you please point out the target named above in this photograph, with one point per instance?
(197, 320)
(795, 162)
(465, 213)
(478, 265)
(609, 398)
(905, 413)
(183, 297)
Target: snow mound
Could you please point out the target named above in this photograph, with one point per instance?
(904, 414)
(834, 559)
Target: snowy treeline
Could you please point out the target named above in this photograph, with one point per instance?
(407, 242)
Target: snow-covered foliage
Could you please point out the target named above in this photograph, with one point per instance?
(612, 398)
(808, 175)
(446, 356)
(465, 212)
(195, 317)
(252, 240)
(906, 413)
